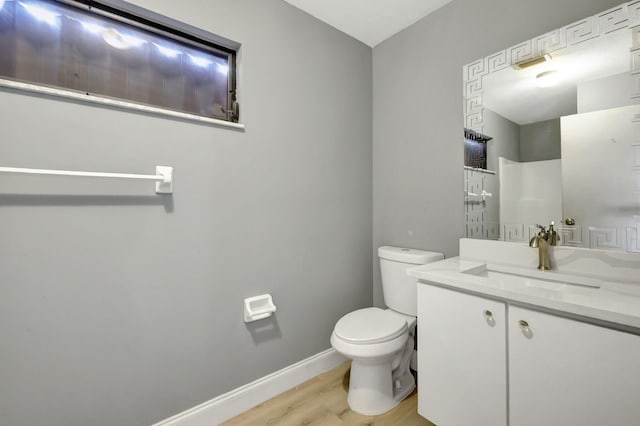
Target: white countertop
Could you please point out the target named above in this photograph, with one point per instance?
(617, 303)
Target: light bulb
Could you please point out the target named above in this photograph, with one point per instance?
(92, 28)
(199, 61)
(167, 51)
(121, 41)
(222, 68)
(40, 13)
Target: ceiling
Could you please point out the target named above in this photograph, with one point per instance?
(370, 21)
(514, 94)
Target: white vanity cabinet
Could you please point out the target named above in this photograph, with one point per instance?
(462, 374)
(566, 372)
(560, 371)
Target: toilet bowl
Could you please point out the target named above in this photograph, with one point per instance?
(380, 342)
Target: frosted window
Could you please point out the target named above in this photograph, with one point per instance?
(93, 52)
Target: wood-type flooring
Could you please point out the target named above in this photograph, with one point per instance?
(323, 401)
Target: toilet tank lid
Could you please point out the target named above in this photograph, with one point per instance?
(407, 255)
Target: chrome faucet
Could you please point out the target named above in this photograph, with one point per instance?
(542, 241)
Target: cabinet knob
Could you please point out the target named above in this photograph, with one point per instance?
(524, 326)
(488, 317)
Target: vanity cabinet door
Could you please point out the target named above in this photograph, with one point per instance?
(461, 358)
(564, 372)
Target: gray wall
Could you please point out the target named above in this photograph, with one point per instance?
(605, 93)
(506, 138)
(118, 307)
(417, 112)
(505, 143)
(540, 141)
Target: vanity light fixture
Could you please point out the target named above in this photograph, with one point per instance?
(548, 78)
(528, 63)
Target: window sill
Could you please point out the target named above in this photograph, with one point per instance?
(475, 169)
(67, 94)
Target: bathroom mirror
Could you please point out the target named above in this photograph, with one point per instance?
(552, 133)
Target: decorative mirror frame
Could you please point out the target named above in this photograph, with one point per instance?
(625, 16)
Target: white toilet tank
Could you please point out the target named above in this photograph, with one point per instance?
(399, 289)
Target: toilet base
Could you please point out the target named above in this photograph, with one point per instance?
(374, 391)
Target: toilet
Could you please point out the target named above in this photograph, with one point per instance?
(380, 342)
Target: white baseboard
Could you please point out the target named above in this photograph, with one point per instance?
(241, 399)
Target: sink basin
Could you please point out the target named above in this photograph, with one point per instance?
(532, 278)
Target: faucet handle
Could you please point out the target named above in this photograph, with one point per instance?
(553, 235)
(542, 228)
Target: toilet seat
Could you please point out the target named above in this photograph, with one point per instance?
(369, 326)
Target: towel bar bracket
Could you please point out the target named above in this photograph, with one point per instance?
(166, 185)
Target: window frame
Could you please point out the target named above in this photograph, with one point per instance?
(162, 26)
